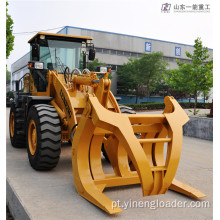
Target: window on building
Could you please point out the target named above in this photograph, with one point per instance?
(105, 51)
(98, 50)
(127, 53)
(113, 51)
(120, 52)
(134, 54)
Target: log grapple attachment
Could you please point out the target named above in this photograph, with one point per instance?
(134, 158)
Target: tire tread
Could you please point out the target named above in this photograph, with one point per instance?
(49, 149)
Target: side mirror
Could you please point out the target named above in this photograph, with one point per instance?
(35, 52)
(91, 54)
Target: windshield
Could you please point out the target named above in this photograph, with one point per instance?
(60, 54)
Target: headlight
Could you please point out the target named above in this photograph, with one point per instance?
(38, 65)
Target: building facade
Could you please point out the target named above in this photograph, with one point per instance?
(114, 49)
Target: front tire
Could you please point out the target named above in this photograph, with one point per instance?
(43, 134)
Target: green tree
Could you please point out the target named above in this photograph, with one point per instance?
(151, 70)
(10, 95)
(142, 76)
(8, 76)
(9, 35)
(206, 94)
(177, 79)
(196, 76)
(128, 80)
(92, 66)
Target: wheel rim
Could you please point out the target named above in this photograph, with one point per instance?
(32, 137)
(12, 124)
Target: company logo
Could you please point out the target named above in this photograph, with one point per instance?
(192, 8)
(65, 103)
(165, 8)
(186, 8)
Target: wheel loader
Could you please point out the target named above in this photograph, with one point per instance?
(62, 101)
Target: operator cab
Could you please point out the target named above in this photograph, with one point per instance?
(58, 51)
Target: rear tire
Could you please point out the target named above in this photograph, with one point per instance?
(16, 127)
(43, 137)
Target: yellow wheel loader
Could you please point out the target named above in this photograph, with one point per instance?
(63, 101)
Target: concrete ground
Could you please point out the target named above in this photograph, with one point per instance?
(52, 195)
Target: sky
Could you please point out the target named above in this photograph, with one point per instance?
(132, 17)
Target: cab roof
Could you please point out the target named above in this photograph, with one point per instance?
(64, 37)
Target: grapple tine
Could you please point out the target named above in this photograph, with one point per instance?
(83, 179)
(186, 190)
